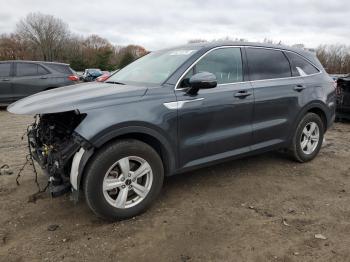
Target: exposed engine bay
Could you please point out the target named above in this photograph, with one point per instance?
(53, 143)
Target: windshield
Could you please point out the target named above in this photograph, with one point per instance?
(153, 68)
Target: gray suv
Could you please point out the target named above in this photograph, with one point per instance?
(19, 79)
(173, 111)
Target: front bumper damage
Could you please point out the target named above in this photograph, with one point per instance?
(59, 150)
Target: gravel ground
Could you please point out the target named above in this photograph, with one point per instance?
(262, 208)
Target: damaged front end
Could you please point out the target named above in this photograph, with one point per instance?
(53, 145)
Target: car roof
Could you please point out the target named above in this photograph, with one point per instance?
(210, 45)
(235, 43)
(39, 62)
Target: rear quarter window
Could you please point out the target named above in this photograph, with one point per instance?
(267, 64)
(64, 69)
(300, 66)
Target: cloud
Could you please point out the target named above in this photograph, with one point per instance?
(161, 23)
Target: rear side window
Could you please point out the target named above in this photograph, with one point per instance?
(64, 69)
(30, 69)
(224, 63)
(300, 67)
(267, 64)
(5, 69)
(42, 71)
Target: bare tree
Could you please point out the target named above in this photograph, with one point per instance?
(12, 47)
(335, 58)
(196, 41)
(46, 33)
(96, 42)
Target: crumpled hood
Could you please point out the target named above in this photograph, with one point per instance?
(81, 96)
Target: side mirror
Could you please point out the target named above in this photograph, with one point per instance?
(202, 80)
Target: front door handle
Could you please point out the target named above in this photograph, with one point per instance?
(242, 94)
(6, 79)
(43, 77)
(299, 88)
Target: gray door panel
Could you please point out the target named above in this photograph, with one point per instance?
(5, 90)
(277, 104)
(214, 124)
(6, 96)
(28, 85)
(30, 78)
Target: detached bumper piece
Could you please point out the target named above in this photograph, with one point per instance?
(53, 144)
(343, 98)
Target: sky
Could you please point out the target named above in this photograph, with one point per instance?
(162, 23)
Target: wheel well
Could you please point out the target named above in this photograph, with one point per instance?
(321, 114)
(154, 143)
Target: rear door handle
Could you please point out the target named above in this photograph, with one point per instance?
(6, 79)
(43, 77)
(242, 94)
(299, 88)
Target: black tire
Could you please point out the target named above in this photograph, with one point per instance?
(99, 165)
(296, 151)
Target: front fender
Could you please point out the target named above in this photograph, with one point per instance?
(129, 128)
(82, 157)
(132, 129)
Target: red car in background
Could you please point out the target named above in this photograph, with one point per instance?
(106, 75)
(103, 77)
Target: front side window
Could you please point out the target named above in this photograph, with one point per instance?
(30, 69)
(300, 67)
(5, 69)
(153, 68)
(267, 64)
(224, 63)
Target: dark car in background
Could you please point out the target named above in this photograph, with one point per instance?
(176, 110)
(19, 79)
(343, 98)
(91, 74)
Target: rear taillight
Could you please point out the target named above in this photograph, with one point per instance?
(102, 78)
(73, 78)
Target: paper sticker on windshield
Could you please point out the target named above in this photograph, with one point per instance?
(182, 52)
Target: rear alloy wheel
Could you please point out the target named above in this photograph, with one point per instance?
(123, 179)
(308, 138)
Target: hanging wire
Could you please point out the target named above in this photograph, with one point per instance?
(30, 160)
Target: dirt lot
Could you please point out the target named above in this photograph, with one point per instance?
(263, 208)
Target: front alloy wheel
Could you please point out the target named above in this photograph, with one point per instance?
(127, 182)
(123, 179)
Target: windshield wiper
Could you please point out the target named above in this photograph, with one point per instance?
(114, 82)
